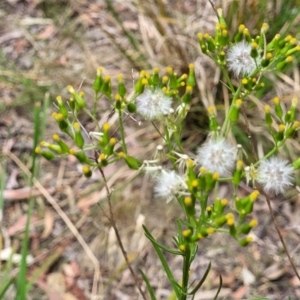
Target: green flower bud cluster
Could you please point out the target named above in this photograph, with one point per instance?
(245, 55)
(282, 125)
(216, 217)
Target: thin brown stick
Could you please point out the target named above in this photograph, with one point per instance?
(280, 236)
(114, 226)
(268, 200)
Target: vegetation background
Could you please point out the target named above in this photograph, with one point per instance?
(47, 45)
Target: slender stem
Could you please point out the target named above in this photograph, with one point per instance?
(177, 139)
(235, 95)
(111, 218)
(122, 131)
(281, 237)
(168, 141)
(185, 274)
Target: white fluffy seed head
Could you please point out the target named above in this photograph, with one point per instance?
(239, 60)
(217, 155)
(169, 184)
(153, 104)
(275, 174)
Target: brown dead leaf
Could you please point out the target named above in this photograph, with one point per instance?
(47, 33)
(20, 224)
(48, 224)
(71, 269)
(295, 282)
(23, 193)
(56, 286)
(240, 292)
(274, 272)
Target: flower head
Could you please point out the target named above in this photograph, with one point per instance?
(217, 156)
(275, 174)
(153, 104)
(239, 59)
(169, 184)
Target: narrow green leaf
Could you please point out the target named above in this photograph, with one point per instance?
(201, 281)
(149, 287)
(219, 289)
(5, 286)
(176, 252)
(165, 265)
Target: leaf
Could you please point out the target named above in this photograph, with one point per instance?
(201, 281)
(219, 289)
(149, 287)
(150, 237)
(175, 286)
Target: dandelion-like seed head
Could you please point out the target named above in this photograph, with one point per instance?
(217, 156)
(275, 174)
(239, 60)
(169, 184)
(153, 104)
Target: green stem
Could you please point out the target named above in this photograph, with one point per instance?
(275, 149)
(185, 274)
(168, 141)
(122, 132)
(225, 124)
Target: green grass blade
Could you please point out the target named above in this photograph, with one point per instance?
(149, 287)
(5, 286)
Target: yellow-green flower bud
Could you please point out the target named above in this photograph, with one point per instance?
(280, 134)
(64, 147)
(268, 117)
(53, 147)
(86, 170)
(47, 154)
(293, 50)
(296, 164)
(78, 138)
(282, 64)
(131, 107)
(246, 228)
(246, 241)
(237, 176)
(187, 96)
(62, 108)
(103, 159)
(80, 155)
(247, 35)
(106, 86)
(274, 43)
(98, 80)
(210, 181)
(202, 43)
(239, 36)
(211, 43)
(278, 109)
(235, 111)
(121, 87)
(254, 52)
(78, 98)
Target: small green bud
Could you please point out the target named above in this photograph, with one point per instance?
(48, 155)
(98, 80)
(86, 170)
(246, 241)
(78, 138)
(278, 109)
(78, 97)
(268, 117)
